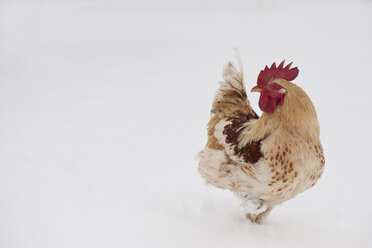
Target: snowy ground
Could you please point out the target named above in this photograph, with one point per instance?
(103, 107)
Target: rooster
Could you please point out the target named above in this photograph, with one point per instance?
(264, 160)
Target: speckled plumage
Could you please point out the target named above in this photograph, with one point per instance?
(272, 158)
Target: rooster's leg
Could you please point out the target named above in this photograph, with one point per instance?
(258, 218)
(256, 210)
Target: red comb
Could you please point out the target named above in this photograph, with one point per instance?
(268, 74)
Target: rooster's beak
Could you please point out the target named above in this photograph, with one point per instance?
(256, 89)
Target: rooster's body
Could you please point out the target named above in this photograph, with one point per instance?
(265, 160)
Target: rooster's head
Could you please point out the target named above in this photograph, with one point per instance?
(272, 93)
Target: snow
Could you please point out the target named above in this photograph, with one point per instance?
(103, 107)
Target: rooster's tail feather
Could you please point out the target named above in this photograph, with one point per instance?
(231, 95)
(230, 100)
(232, 88)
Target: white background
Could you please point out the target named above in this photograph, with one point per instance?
(103, 109)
